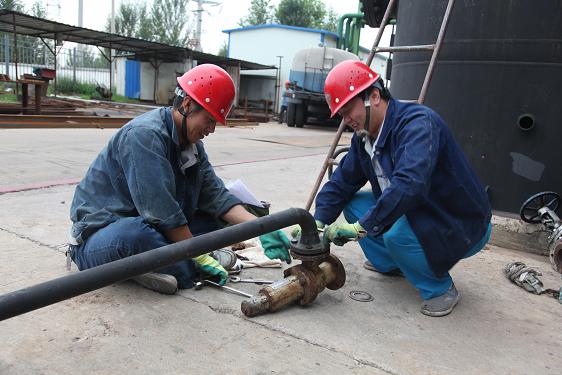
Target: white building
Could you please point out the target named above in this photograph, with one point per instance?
(264, 44)
(148, 77)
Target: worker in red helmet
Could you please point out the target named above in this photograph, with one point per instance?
(153, 185)
(426, 209)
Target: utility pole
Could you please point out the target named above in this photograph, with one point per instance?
(80, 13)
(112, 67)
(113, 16)
(199, 12)
(78, 48)
(278, 86)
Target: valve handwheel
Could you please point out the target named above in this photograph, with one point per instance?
(530, 209)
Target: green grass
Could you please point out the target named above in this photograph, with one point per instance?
(7, 93)
(8, 98)
(123, 99)
(66, 86)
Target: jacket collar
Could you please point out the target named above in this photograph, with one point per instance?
(387, 125)
(171, 126)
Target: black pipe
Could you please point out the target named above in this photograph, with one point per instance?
(47, 293)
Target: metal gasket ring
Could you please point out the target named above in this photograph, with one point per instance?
(359, 295)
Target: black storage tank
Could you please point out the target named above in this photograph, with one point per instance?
(498, 85)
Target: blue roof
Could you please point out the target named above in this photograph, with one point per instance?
(325, 32)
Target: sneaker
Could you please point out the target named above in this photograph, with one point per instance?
(226, 257)
(159, 282)
(395, 272)
(442, 305)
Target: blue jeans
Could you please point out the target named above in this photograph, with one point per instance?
(130, 236)
(399, 248)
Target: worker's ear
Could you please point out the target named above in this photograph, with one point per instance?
(186, 104)
(375, 97)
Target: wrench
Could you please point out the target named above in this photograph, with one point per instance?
(235, 291)
(236, 279)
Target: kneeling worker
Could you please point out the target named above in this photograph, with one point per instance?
(153, 185)
(427, 209)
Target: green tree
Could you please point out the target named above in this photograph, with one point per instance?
(41, 54)
(132, 20)
(331, 20)
(30, 49)
(127, 20)
(86, 58)
(170, 21)
(38, 10)
(145, 28)
(303, 13)
(12, 5)
(166, 21)
(223, 51)
(259, 13)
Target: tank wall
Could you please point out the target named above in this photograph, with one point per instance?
(498, 85)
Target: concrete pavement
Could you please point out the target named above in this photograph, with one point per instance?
(497, 328)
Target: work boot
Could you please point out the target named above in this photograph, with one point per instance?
(226, 257)
(395, 272)
(442, 305)
(159, 282)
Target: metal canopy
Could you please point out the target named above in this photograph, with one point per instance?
(135, 48)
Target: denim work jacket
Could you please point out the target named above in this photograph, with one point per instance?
(431, 182)
(138, 174)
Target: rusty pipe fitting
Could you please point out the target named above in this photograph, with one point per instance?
(555, 254)
(302, 283)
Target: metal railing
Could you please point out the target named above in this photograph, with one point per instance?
(78, 63)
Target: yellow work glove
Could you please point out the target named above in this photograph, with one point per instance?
(211, 267)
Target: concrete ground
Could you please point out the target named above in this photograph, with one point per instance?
(497, 328)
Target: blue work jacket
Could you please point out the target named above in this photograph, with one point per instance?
(431, 182)
(138, 174)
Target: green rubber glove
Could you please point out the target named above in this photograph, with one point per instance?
(276, 246)
(211, 267)
(340, 233)
(296, 231)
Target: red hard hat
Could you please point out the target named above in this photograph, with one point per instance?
(211, 87)
(345, 81)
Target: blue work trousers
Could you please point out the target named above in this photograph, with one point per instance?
(131, 235)
(399, 248)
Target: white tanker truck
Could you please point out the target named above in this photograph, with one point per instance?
(305, 99)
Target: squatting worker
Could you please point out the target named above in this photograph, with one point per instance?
(427, 209)
(153, 185)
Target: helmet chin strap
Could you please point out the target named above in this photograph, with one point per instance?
(184, 126)
(363, 133)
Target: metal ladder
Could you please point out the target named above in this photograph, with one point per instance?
(436, 48)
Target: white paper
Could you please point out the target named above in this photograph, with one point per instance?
(241, 191)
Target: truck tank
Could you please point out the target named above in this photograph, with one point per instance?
(497, 84)
(311, 66)
(308, 73)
